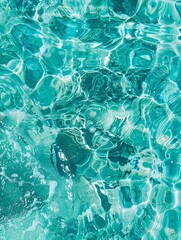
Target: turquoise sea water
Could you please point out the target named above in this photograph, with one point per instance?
(90, 119)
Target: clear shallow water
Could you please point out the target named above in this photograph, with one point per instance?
(90, 116)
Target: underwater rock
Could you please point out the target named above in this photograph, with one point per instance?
(121, 153)
(104, 199)
(71, 152)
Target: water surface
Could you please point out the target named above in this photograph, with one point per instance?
(90, 117)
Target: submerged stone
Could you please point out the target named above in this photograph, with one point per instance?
(104, 199)
(121, 153)
(71, 152)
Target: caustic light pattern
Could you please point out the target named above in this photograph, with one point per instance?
(90, 119)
